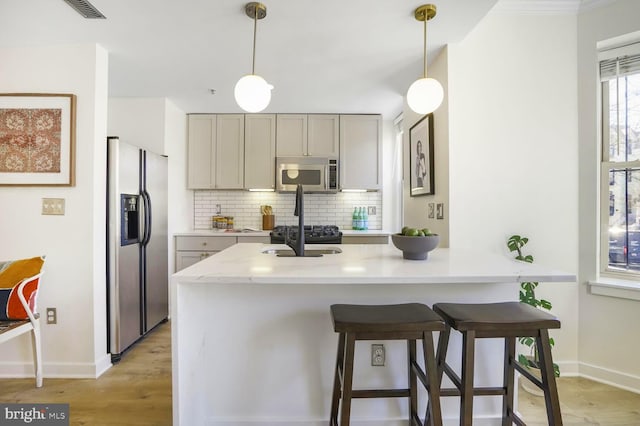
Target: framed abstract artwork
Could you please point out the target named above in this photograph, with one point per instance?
(37, 139)
(421, 157)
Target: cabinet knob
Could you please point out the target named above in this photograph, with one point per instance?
(204, 243)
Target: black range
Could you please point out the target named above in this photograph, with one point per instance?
(313, 234)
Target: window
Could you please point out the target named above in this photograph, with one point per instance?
(620, 171)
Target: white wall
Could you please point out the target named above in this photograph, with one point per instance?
(157, 125)
(139, 122)
(607, 325)
(74, 280)
(180, 198)
(513, 165)
(415, 209)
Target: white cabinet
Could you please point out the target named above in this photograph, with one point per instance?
(291, 135)
(201, 150)
(192, 249)
(360, 152)
(216, 151)
(229, 165)
(313, 134)
(365, 239)
(184, 259)
(260, 149)
(323, 136)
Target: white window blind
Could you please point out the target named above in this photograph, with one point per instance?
(619, 67)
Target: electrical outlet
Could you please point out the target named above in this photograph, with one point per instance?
(371, 210)
(377, 355)
(218, 209)
(53, 206)
(52, 316)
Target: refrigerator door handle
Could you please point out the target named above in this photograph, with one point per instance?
(148, 217)
(142, 219)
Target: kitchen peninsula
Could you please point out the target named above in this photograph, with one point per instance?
(253, 343)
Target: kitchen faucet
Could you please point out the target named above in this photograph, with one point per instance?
(298, 244)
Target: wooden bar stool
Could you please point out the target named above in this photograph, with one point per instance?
(410, 322)
(508, 320)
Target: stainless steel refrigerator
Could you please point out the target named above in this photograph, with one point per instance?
(137, 246)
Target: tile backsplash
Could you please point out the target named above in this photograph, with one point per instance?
(319, 209)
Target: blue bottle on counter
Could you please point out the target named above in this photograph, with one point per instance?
(354, 219)
(365, 219)
(360, 219)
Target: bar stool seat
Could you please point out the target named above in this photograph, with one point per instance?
(508, 320)
(408, 321)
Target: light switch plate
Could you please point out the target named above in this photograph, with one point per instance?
(53, 206)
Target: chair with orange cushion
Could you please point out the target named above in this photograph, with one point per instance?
(19, 282)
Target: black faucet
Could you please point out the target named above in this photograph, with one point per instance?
(298, 244)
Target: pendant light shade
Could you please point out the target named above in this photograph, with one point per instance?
(252, 92)
(425, 94)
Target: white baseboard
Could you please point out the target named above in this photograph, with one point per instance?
(62, 370)
(103, 365)
(610, 377)
(569, 368)
(452, 421)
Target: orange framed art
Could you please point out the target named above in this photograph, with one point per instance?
(37, 139)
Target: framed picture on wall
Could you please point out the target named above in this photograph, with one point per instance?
(37, 139)
(421, 157)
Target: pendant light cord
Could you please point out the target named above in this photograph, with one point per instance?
(255, 30)
(425, 45)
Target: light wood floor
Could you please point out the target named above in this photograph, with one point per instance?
(137, 391)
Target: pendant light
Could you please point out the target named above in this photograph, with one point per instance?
(252, 92)
(425, 94)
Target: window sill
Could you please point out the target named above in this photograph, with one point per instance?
(614, 287)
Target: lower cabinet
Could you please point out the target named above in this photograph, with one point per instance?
(192, 249)
(365, 239)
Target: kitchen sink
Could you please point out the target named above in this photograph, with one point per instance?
(307, 252)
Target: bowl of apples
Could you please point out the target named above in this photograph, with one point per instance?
(415, 243)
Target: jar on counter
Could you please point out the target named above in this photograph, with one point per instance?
(229, 220)
(219, 222)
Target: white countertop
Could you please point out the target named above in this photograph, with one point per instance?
(221, 233)
(362, 264)
(240, 233)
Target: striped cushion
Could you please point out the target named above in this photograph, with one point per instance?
(12, 273)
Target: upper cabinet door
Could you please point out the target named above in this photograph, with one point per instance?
(360, 152)
(323, 135)
(229, 164)
(291, 135)
(201, 151)
(260, 149)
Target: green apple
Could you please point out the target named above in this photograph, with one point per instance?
(412, 232)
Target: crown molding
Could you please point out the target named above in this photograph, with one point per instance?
(547, 7)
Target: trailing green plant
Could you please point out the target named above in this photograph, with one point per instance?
(515, 243)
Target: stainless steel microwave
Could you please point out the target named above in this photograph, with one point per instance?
(316, 174)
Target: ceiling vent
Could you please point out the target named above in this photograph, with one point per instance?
(85, 9)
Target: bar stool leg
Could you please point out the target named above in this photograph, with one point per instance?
(441, 356)
(347, 379)
(548, 378)
(508, 380)
(466, 392)
(433, 383)
(337, 381)
(412, 380)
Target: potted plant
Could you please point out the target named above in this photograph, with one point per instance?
(528, 296)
